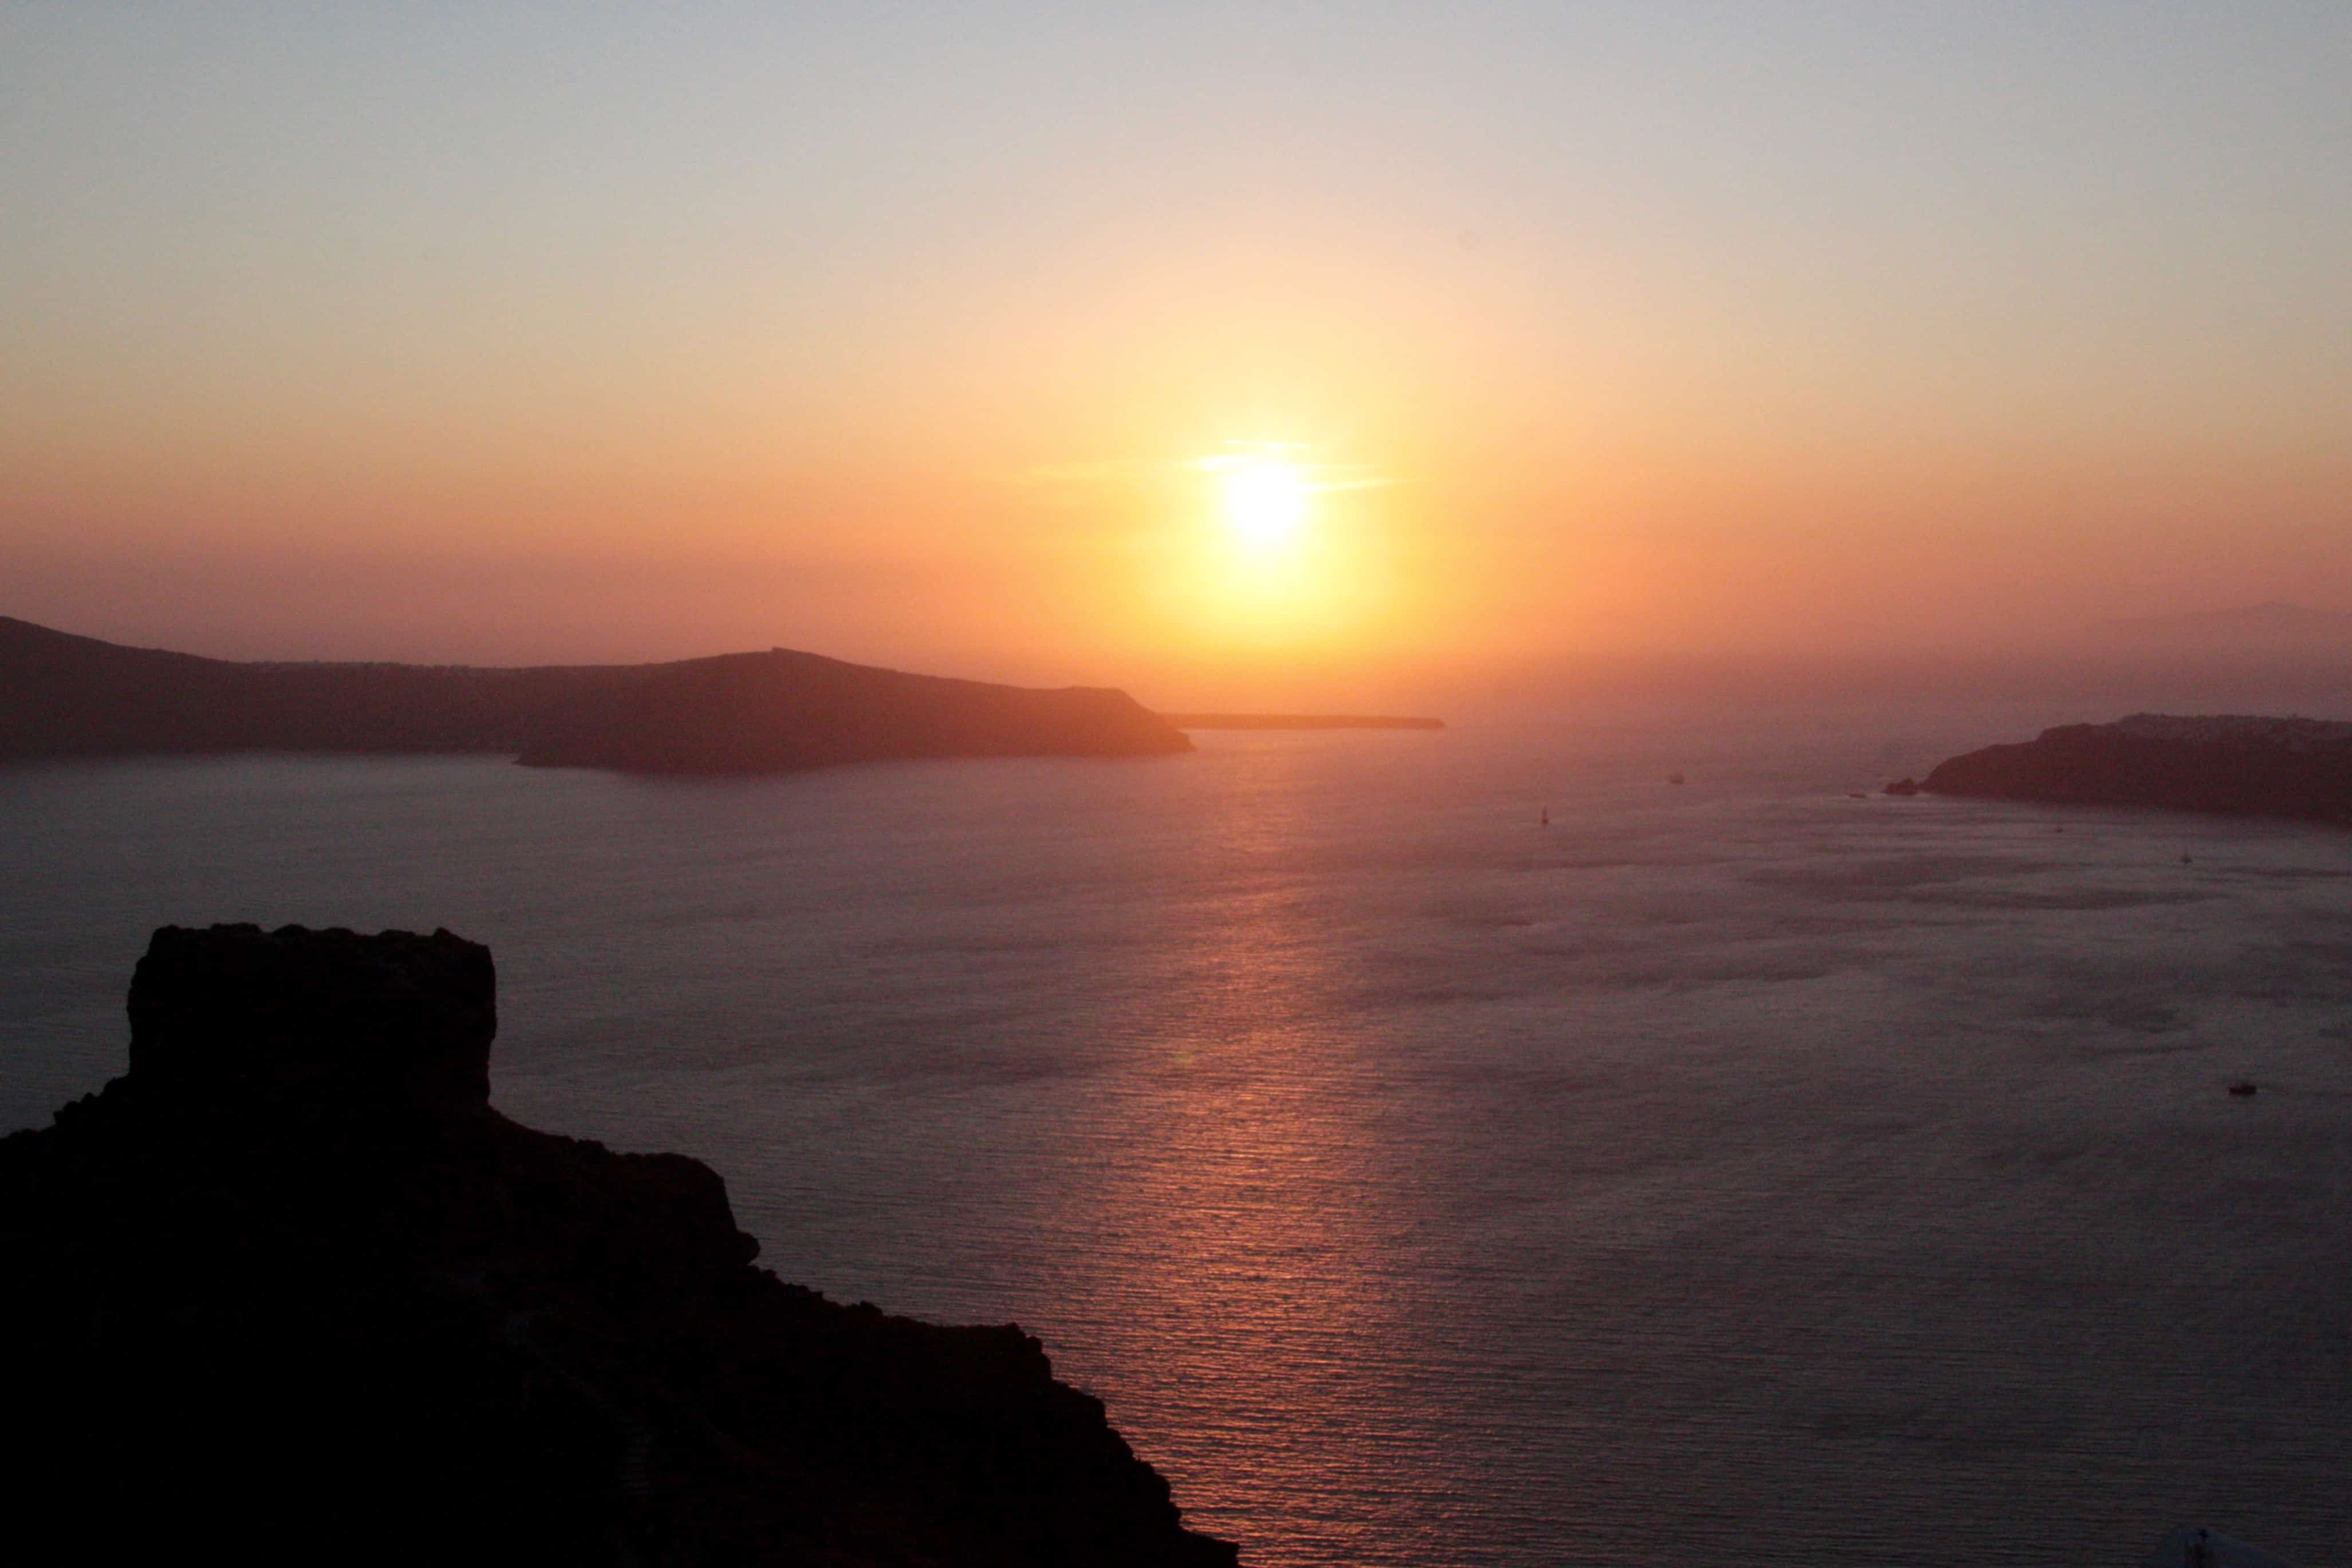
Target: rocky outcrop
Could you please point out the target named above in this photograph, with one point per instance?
(2234, 764)
(291, 1290)
(62, 695)
(782, 710)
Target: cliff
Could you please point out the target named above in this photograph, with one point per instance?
(2235, 765)
(291, 1290)
(62, 695)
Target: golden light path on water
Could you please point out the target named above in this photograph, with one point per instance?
(1252, 1206)
(1730, 1173)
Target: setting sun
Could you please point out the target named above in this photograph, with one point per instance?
(1569, 780)
(1265, 504)
(1279, 552)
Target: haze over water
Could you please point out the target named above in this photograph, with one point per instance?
(1730, 1173)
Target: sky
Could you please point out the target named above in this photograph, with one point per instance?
(937, 336)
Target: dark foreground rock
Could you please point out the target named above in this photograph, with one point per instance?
(290, 1290)
(2232, 764)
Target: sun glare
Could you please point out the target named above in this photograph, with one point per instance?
(1265, 504)
(1273, 549)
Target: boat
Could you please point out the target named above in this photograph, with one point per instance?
(1674, 778)
(2202, 1548)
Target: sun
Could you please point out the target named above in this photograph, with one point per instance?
(1265, 504)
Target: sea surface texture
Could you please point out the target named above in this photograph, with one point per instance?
(1730, 1171)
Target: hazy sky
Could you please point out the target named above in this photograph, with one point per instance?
(537, 331)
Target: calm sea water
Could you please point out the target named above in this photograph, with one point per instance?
(1730, 1173)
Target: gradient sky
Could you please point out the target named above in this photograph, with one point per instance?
(532, 332)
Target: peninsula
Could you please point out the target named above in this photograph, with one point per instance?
(2231, 763)
(290, 1290)
(62, 695)
(1298, 721)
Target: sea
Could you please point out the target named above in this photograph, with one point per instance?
(1753, 1169)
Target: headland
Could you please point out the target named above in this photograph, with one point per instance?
(2230, 763)
(291, 1290)
(1299, 722)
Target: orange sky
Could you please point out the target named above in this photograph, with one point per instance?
(412, 334)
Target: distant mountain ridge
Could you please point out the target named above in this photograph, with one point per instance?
(63, 695)
(782, 711)
(2274, 624)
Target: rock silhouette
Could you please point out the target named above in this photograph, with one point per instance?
(62, 695)
(291, 1290)
(782, 710)
(2231, 765)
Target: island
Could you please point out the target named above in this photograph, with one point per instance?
(1298, 721)
(2231, 763)
(781, 710)
(62, 695)
(291, 1290)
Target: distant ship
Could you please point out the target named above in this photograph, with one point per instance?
(1674, 778)
(2202, 1548)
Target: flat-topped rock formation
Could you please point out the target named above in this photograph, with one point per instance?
(292, 1291)
(1299, 722)
(62, 696)
(2238, 764)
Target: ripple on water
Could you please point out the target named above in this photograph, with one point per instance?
(1728, 1174)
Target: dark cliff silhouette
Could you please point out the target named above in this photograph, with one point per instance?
(2232, 764)
(290, 1290)
(62, 695)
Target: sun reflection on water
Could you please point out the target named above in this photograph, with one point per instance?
(1260, 1231)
